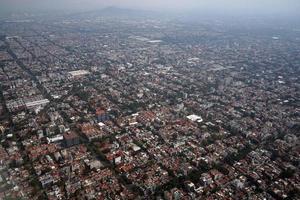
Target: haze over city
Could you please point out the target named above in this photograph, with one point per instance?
(149, 99)
(253, 7)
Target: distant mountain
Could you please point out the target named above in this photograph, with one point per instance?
(116, 12)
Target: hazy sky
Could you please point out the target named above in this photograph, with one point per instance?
(238, 6)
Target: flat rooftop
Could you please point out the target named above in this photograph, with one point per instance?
(79, 72)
